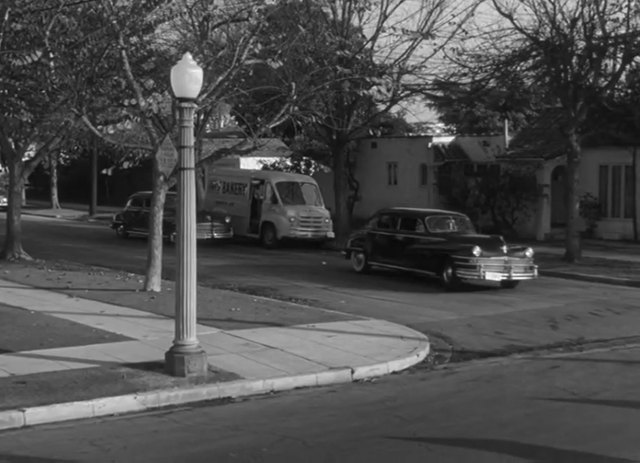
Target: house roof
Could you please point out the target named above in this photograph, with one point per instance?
(542, 140)
(245, 147)
(473, 148)
(419, 211)
(447, 152)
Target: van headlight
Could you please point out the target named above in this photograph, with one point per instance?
(529, 252)
(476, 251)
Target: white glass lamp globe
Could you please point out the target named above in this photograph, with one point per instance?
(186, 78)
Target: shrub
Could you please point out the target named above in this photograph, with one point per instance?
(590, 210)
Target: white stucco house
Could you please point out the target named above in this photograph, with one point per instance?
(609, 171)
(404, 171)
(394, 171)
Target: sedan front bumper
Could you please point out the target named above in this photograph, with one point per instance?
(495, 269)
(213, 231)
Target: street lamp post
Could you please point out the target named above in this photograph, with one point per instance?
(186, 357)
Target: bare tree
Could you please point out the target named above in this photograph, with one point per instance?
(579, 50)
(135, 110)
(349, 64)
(35, 113)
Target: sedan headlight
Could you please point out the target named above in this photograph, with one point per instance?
(476, 251)
(529, 252)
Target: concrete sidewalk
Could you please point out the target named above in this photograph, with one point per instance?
(267, 359)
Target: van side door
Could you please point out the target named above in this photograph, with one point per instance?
(257, 198)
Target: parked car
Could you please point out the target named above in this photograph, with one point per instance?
(438, 243)
(133, 220)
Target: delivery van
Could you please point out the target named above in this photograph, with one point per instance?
(269, 205)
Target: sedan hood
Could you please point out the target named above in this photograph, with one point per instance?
(486, 242)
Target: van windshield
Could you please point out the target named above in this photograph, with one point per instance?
(299, 194)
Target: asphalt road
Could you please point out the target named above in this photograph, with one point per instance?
(580, 408)
(543, 312)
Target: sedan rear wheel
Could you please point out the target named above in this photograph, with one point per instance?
(121, 231)
(448, 277)
(360, 262)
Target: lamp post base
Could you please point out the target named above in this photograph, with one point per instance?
(186, 362)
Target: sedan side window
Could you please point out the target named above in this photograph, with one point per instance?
(412, 225)
(387, 222)
(407, 224)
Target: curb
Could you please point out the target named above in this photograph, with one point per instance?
(591, 278)
(139, 402)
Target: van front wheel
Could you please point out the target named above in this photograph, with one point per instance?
(269, 236)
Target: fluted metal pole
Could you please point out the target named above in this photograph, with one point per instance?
(186, 357)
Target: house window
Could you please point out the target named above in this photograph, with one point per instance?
(423, 175)
(494, 170)
(469, 169)
(615, 191)
(392, 173)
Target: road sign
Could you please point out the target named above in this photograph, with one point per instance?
(167, 156)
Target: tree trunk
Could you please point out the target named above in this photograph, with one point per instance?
(53, 180)
(341, 215)
(93, 204)
(572, 240)
(153, 277)
(634, 177)
(201, 186)
(12, 249)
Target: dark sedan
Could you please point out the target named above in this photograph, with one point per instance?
(439, 243)
(133, 220)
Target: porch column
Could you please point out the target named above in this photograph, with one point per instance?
(543, 210)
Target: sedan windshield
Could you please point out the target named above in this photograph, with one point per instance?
(449, 224)
(299, 194)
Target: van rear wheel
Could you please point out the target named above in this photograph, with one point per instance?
(269, 237)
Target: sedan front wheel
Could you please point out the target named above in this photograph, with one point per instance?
(448, 277)
(509, 284)
(359, 262)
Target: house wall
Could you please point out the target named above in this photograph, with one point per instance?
(372, 158)
(592, 159)
(539, 226)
